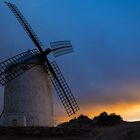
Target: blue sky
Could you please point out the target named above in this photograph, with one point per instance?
(105, 66)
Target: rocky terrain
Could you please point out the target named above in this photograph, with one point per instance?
(102, 127)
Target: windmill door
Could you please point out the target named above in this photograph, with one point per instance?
(14, 123)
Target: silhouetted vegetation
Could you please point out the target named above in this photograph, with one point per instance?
(107, 119)
(81, 122)
(81, 119)
(104, 119)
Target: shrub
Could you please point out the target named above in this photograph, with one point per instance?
(107, 119)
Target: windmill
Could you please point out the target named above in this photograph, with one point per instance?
(27, 86)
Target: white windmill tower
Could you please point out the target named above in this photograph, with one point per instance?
(27, 79)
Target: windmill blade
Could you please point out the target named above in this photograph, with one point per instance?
(62, 89)
(17, 59)
(58, 48)
(61, 47)
(15, 66)
(26, 26)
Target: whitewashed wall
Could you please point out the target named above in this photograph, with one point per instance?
(28, 99)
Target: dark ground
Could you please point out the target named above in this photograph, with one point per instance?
(103, 127)
(121, 131)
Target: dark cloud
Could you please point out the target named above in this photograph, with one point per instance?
(109, 96)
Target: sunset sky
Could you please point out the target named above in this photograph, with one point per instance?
(104, 70)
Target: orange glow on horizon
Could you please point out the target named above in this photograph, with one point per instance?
(128, 111)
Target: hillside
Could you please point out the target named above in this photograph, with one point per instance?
(102, 120)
